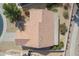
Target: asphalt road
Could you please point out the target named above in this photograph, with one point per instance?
(73, 41)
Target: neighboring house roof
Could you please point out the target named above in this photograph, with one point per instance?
(39, 30)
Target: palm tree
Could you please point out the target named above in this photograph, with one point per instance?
(11, 11)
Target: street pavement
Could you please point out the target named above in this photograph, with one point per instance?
(73, 44)
(73, 39)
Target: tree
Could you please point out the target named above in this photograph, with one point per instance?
(63, 28)
(66, 15)
(66, 6)
(11, 11)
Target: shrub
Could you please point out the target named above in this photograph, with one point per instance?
(54, 9)
(63, 28)
(65, 14)
(49, 6)
(58, 47)
(66, 6)
(54, 47)
(53, 5)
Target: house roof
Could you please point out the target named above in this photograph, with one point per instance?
(39, 30)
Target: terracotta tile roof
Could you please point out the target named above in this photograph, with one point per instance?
(39, 30)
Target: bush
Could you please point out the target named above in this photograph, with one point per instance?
(54, 47)
(54, 9)
(66, 6)
(58, 47)
(65, 14)
(63, 28)
(49, 6)
(53, 5)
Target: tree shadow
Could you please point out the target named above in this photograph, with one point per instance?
(20, 23)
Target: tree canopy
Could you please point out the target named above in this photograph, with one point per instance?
(11, 11)
(63, 28)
